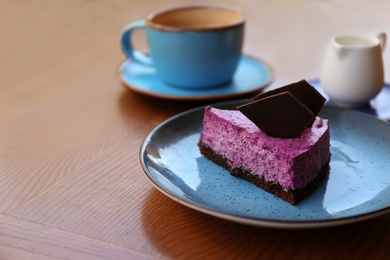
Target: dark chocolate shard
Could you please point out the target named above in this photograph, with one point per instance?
(285, 112)
(302, 91)
(280, 115)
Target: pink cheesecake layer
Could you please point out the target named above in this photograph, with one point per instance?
(290, 162)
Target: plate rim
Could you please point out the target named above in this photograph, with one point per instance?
(259, 222)
(128, 86)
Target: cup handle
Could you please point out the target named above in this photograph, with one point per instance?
(127, 46)
(382, 40)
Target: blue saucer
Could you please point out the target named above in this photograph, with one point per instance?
(251, 76)
(379, 106)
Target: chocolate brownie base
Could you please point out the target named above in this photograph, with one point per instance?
(291, 196)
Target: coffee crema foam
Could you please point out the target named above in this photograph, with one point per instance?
(196, 18)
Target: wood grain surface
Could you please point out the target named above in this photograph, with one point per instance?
(71, 186)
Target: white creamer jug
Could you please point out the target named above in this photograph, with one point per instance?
(352, 71)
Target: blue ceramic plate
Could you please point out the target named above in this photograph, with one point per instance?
(379, 106)
(251, 76)
(358, 186)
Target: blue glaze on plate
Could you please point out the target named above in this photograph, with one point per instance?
(379, 106)
(251, 76)
(358, 186)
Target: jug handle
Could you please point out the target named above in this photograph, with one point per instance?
(382, 40)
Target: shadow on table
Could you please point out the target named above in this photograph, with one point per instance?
(131, 103)
(129, 100)
(179, 232)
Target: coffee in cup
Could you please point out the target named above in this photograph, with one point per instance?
(190, 47)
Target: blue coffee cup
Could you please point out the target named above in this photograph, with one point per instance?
(190, 47)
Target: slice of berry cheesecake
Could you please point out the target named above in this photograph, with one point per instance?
(289, 159)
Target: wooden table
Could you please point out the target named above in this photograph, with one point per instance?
(70, 179)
